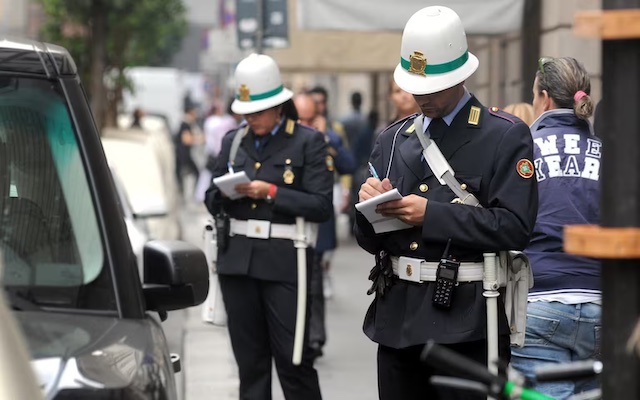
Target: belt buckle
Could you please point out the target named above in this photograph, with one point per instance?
(258, 229)
(409, 269)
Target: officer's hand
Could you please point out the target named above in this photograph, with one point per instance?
(253, 189)
(373, 187)
(409, 209)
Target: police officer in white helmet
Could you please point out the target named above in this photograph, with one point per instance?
(260, 247)
(489, 154)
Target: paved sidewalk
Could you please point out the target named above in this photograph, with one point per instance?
(348, 368)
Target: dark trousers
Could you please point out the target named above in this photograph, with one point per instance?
(317, 329)
(261, 321)
(402, 376)
(185, 164)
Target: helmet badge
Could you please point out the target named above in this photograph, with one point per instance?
(244, 93)
(417, 63)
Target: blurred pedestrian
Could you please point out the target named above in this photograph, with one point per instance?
(403, 102)
(217, 124)
(327, 242)
(342, 196)
(321, 97)
(357, 129)
(563, 315)
(524, 111)
(137, 115)
(184, 141)
(360, 137)
(291, 176)
(490, 156)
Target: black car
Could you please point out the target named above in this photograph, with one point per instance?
(70, 273)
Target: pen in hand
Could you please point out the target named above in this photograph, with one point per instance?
(373, 171)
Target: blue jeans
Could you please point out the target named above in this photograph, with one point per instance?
(558, 333)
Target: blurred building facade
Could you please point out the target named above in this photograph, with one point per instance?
(347, 61)
(21, 18)
(547, 31)
(344, 62)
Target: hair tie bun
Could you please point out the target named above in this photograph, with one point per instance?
(579, 94)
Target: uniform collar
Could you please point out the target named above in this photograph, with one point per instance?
(277, 127)
(448, 119)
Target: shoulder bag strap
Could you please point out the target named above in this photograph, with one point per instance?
(440, 166)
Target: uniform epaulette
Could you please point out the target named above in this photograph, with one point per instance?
(400, 121)
(495, 111)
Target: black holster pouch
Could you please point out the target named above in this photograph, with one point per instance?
(381, 274)
(223, 226)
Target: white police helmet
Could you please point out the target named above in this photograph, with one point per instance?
(258, 85)
(434, 55)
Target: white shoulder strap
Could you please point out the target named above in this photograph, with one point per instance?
(440, 166)
(235, 145)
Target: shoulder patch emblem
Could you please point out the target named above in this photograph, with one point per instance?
(525, 168)
(474, 115)
(329, 162)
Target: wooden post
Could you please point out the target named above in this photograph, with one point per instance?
(530, 45)
(620, 200)
(620, 208)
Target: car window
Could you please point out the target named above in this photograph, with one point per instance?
(50, 237)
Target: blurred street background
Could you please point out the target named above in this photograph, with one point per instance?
(161, 57)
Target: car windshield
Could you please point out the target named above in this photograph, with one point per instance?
(49, 236)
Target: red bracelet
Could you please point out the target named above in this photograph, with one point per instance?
(272, 191)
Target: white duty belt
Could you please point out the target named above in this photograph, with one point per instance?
(417, 270)
(261, 229)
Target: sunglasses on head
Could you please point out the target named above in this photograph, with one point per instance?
(541, 62)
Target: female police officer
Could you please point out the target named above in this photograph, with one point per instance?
(291, 176)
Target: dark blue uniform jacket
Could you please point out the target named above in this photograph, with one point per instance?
(485, 154)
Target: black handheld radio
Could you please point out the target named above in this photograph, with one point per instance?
(223, 226)
(446, 279)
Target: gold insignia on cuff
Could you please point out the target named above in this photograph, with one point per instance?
(291, 124)
(474, 115)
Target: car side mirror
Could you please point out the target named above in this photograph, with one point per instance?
(176, 275)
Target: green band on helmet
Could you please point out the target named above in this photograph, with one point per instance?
(431, 69)
(265, 95)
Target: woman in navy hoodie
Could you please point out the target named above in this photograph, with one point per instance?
(563, 315)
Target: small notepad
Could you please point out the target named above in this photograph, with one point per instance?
(227, 183)
(379, 222)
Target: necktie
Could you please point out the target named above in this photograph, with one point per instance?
(437, 129)
(261, 142)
